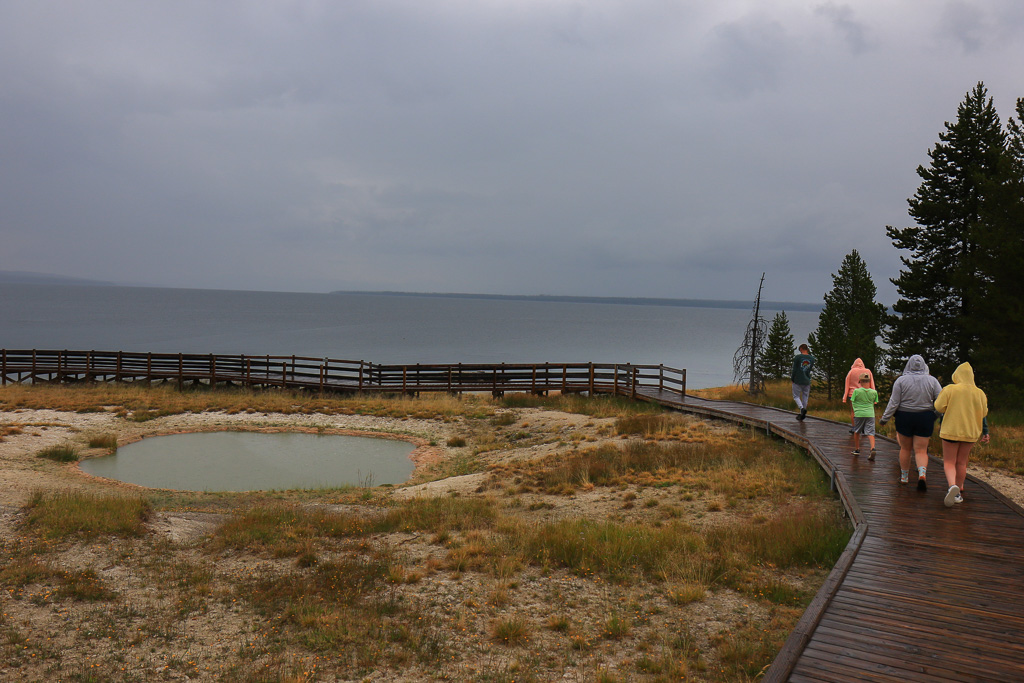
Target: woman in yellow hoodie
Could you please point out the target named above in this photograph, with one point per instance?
(964, 407)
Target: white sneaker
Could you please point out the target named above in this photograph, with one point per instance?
(958, 499)
(951, 495)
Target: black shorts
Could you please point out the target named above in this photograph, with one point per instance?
(915, 423)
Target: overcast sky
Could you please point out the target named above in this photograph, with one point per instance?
(665, 148)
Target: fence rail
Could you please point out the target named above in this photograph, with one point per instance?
(19, 366)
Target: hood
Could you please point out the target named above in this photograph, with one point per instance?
(916, 366)
(964, 374)
(857, 365)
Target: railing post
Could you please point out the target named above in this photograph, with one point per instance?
(682, 387)
(633, 378)
(360, 377)
(181, 371)
(615, 379)
(284, 374)
(149, 367)
(405, 373)
(591, 379)
(248, 372)
(449, 379)
(322, 368)
(117, 375)
(533, 381)
(34, 366)
(213, 371)
(661, 377)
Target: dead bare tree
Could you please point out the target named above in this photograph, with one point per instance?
(744, 362)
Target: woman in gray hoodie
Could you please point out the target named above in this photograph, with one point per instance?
(913, 404)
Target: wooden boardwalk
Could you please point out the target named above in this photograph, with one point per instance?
(923, 592)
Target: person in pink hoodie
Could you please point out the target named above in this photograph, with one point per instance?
(857, 370)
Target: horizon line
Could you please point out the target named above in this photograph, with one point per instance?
(629, 300)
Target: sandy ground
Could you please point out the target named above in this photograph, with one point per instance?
(212, 636)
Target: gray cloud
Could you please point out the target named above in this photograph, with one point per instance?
(645, 148)
(852, 31)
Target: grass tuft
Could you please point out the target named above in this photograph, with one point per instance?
(439, 515)
(512, 631)
(60, 453)
(108, 441)
(285, 530)
(84, 515)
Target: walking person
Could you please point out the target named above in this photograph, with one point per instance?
(857, 370)
(803, 363)
(964, 407)
(863, 400)
(912, 403)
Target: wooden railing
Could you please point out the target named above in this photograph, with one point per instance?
(329, 374)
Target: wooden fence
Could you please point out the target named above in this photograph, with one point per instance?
(329, 374)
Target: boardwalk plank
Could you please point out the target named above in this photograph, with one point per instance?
(922, 630)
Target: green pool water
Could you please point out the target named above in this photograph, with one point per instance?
(255, 461)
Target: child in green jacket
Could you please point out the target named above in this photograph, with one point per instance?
(864, 399)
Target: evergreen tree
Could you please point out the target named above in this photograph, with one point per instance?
(849, 325)
(826, 342)
(999, 315)
(777, 357)
(940, 288)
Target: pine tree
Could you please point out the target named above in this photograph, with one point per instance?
(998, 319)
(826, 344)
(849, 325)
(777, 357)
(939, 287)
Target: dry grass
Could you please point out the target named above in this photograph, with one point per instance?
(142, 403)
(60, 453)
(106, 441)
(61, 515)
(597, 406)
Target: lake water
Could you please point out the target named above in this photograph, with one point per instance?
(253, 461)
(379, 328)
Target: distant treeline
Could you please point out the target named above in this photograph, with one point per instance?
(631, 301)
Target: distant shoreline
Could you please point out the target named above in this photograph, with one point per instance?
(621, 300)
(8, 277)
